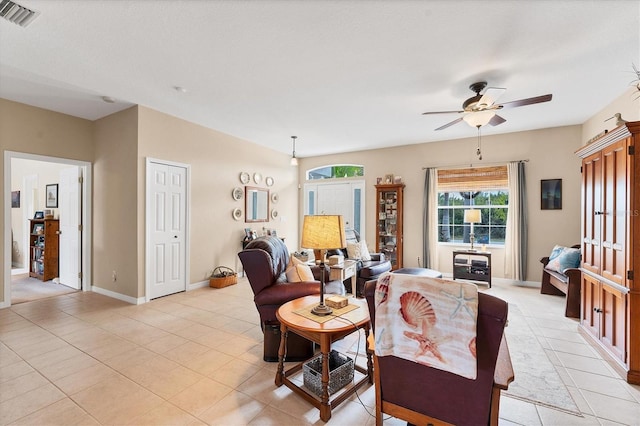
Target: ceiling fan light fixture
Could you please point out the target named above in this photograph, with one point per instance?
(479, 118)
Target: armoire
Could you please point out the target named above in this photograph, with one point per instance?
(610, 222)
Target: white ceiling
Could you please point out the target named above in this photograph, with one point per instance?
(341, 75)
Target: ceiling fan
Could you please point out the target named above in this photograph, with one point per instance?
(480, 110)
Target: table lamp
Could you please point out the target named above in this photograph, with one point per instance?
(323, 232)
(472, 216)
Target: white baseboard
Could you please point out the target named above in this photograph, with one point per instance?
(123, 297)
(195, 286)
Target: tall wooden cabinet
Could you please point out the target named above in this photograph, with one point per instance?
(389, 199)
(610, 299)
(43, 248)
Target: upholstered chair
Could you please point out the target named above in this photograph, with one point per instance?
(369, 269)
(265, 261)
(421, 394)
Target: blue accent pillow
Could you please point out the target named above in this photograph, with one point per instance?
(562, 258)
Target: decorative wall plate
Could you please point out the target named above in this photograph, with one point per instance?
(269, 181)
(237, 214)
(237, 193)
(274, 197)
(274, 214)
(257, 178)
(245, 177)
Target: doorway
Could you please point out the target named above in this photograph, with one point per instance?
(33, 173)
(342, 198)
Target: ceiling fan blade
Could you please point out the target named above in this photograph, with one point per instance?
(496, 120)
(490, 96)
(442, 112)
(528, 101)
(451, 123)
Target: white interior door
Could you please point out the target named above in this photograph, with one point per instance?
(69, 204)
(167, 227)
(336, 199)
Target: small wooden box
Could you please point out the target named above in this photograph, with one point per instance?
(336, 302)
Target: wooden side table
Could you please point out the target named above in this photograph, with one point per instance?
(346, 270)
(323, 334)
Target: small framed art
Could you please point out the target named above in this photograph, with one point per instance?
(52, 195)
(551, 194)
(15, 199)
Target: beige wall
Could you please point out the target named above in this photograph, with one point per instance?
(37, 131)
(551, 156)
(115, 234)
(216, 160)
(627, 104)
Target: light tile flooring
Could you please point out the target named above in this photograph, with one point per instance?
(196, 358)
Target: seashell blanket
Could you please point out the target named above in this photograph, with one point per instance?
(427, 320)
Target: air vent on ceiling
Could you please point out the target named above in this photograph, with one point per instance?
(17, 14)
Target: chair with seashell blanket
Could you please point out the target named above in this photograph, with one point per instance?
(432, 388)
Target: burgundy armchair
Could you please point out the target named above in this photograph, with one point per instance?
(265, 261)
(420, 394)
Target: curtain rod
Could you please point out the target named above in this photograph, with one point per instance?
(471, 165)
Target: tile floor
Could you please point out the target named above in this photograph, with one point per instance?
(196, 358)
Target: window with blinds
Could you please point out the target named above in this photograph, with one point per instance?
(481, 188)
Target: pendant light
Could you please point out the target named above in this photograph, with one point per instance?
(294, 160)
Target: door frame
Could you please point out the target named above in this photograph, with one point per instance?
(147, 226)
(86, 232)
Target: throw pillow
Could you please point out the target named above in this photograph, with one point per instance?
(299, 273)
(354, 251)
(364, 251)
(562, 258)
(358, 251)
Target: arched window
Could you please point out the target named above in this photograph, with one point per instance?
(335, 171)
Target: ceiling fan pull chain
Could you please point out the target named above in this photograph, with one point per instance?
(479, 152)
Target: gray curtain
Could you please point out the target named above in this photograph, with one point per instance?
(430, 220)
(516, 244)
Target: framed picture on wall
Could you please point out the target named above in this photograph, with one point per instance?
(551, 194)
(15, 199)
(52, 195)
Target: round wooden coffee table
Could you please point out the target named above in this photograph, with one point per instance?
(323, 334)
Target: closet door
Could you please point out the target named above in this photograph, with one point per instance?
(590, 305)
(591, 212)
(614, 208)
(613, 326)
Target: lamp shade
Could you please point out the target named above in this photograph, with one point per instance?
(479, 118)
(323, 232)
(472, 216)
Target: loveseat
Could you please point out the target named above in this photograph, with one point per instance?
(369, 265)
(561, 277)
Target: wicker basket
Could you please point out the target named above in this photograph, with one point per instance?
(223, 277)
(340, 372)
